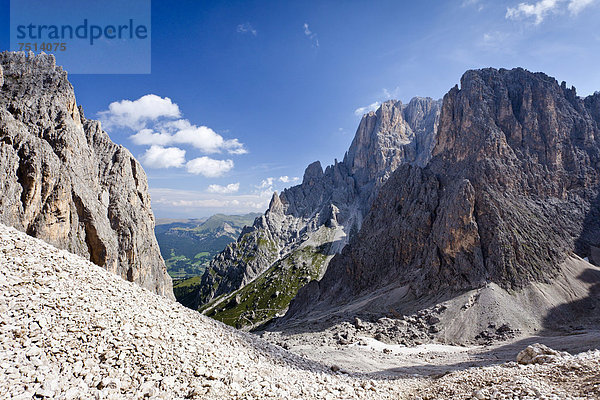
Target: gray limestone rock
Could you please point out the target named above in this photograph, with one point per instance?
(510, 192)
(328, 207)
(70, 330)
(539, 354)
(63, 180)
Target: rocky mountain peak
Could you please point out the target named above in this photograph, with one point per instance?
(63, 180)
(308, 223)
(518, 115)
(510, 193)
(394, 134)
(312, 173)
(276, 205)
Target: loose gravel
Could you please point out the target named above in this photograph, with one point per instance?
(71, 330)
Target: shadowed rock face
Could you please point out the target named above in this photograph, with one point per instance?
(336, 198)
(63, 180)
(510, 192)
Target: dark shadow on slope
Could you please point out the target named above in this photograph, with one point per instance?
(588, 243)
(392, 301)
(573, 327)
(580, 314)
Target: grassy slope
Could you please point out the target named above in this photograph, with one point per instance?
(188, 246)
(270, 293)
(185, 290)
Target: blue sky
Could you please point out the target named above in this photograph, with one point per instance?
(253, 92)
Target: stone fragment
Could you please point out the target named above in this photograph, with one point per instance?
(539, 354)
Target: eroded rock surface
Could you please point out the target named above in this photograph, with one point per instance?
(539, 354)
(510, 192)
(311, 222)
(63, 180)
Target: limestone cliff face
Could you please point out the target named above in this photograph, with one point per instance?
(63, 180)
(510, 192)
(318, 216)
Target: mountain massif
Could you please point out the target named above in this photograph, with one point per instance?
(254, 278)
(64, 181)
(494, 229)
(459, 221)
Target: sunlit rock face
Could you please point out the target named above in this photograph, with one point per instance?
(511, 191)
(64, 181)
(307, 224)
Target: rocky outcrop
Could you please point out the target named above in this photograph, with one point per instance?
(319, 215)
(538, 353)
(511, 191)
(63, 180)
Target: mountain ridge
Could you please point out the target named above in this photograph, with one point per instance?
(510, 193)
(311, 222)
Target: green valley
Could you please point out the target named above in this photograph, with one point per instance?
(188, 246)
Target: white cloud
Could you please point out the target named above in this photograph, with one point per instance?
(135, 114)
(159, 124)
(267, 186)
(246, 27)
(391, 94)
(266, 183)
(181, 131)
(495, 40)
(148, 137)
(538, 10)
(287, 179)
(576, 6)
(161, 157)
(209, 167)
(311, 35)
(363, 110)
(307, 31)
(170, 202)
(231, 188)
(385, 94)
(477, 3)
(205, 139)
(233, 146)
(541, 9)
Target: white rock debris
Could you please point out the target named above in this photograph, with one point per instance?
(69, 329)
(538, 354)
